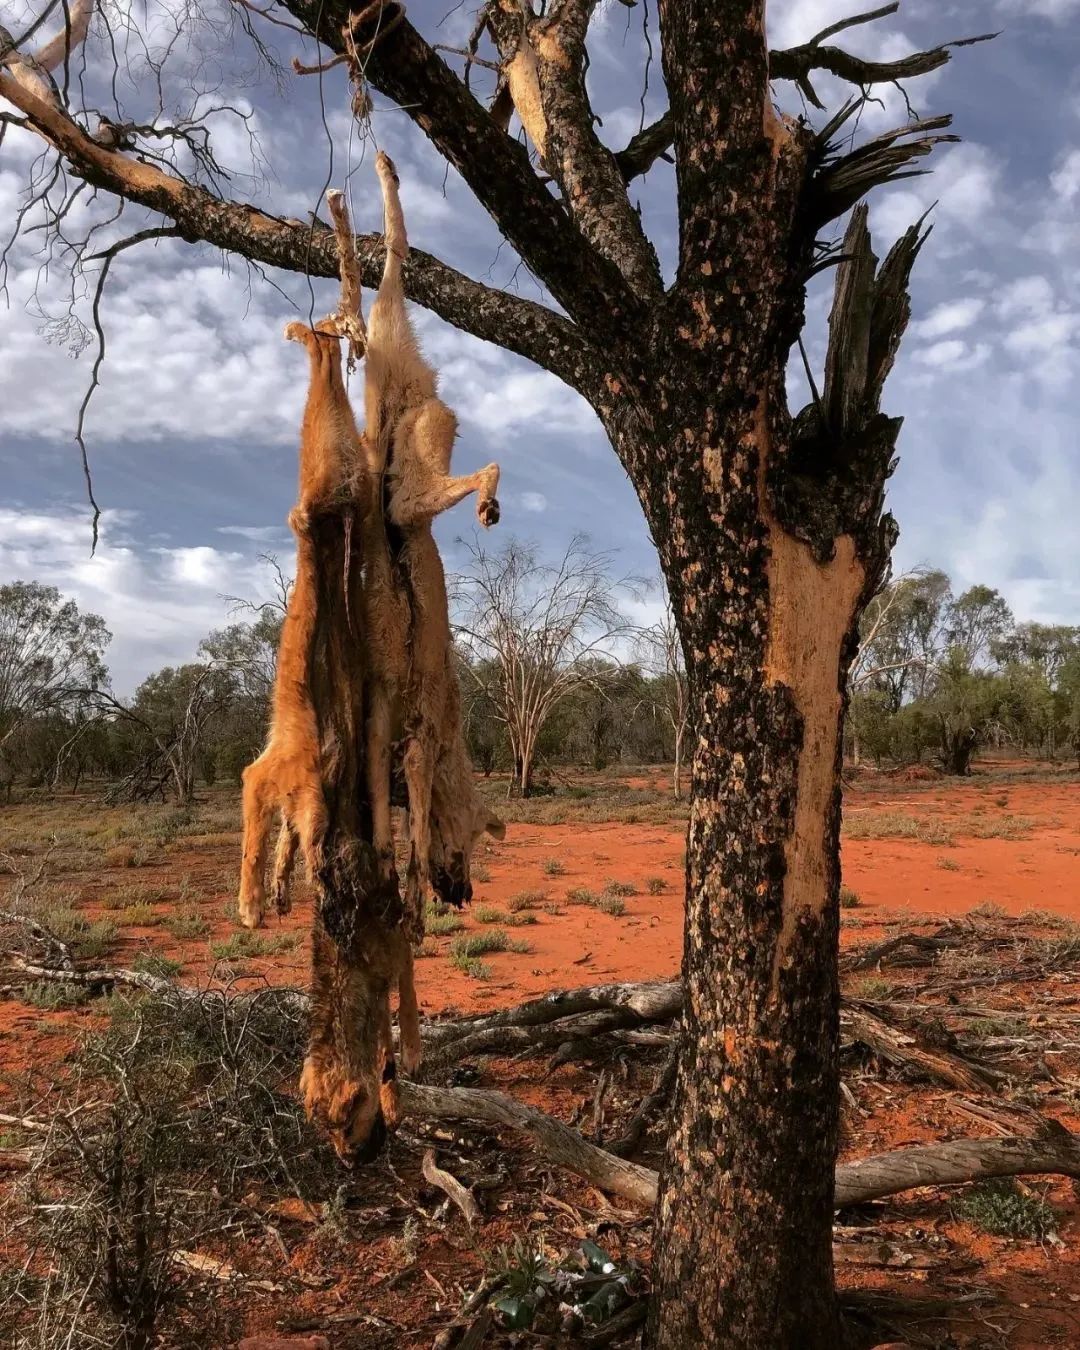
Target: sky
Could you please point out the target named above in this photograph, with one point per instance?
(192, 434)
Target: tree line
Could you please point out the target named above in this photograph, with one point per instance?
(940, 676)
(553, 672)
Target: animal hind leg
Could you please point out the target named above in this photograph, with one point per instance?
(258, 802)
(397, 241)
(419, 762)
(310, 822)
(284, 861)
(378, 779)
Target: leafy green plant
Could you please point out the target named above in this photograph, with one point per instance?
(553, 867)
(1002, 1208)
(656, 885)
(849, 899)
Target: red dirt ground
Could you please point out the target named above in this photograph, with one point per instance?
(1007, 842)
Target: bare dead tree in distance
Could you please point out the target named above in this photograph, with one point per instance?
(533, 629)
(661, 649)
(770, 527)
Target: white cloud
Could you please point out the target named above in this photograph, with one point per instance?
(533, 501)
(1065, 180)
(949, 317)
(953, 355)
(156, 604)
(1057, 10)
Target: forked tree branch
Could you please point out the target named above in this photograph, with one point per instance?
(796, 64)
(404, 67)
(544, 59)
(522, 326)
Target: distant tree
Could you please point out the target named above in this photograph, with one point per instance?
(965, 703)
(662, 655)
(531, 630)
(1067, 699)
(485, 732)
(172, 712)
(49, 654)
(975, 621)
(901, 636)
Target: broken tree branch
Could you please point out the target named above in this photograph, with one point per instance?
(459, 1194)
(558, 1143)
(797, 63)
(901, 1049)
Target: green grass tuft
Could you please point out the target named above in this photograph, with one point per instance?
(1002, 1208)
(186, 924)
(248, 944)
(55, 997)
(526, 900)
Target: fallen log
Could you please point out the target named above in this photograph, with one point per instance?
(900, 1048)
(1053, 1150)
(558, 1143)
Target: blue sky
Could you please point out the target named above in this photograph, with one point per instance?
(193, 432)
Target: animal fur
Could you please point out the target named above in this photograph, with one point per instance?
(410, 434)
(287, 775)
(333, 470)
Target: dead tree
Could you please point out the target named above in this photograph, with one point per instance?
(770, 527)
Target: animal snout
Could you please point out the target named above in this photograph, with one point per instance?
(358, 1154)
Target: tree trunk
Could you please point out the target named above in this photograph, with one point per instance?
(677, 773)
(959, 748)
(752, 1150)
(796, 544)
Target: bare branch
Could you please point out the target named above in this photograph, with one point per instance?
(520, 325)
(797, 63)
(160, 232)
(404, 67)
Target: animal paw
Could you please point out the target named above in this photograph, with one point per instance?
(487, 512)
(299, 520)
(385, 168)
(281, 896)
(250, 909)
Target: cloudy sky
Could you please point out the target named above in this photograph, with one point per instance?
(193, 432)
